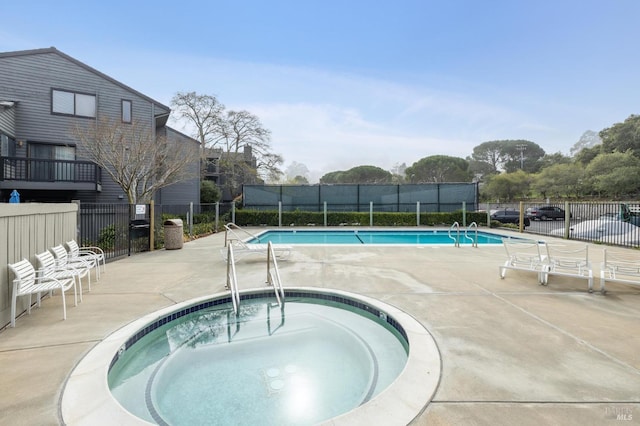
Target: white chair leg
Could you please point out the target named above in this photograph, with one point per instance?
(13, 310)
(64, 304)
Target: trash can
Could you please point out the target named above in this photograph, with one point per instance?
(173, 234)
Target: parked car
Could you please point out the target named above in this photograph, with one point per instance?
(509, 216)
(545, 212)
(600, 228)
(624, 214)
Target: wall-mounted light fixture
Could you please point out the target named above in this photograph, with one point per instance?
(20, 143)
(120, 197)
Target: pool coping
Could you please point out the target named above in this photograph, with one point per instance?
(464, 241)
(86, 398)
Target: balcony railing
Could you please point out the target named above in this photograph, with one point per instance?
(20, 169)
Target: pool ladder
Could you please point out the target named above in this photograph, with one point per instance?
(456, 228)
(456, 239)
(474, 241)
(232, 279)
(273, 277)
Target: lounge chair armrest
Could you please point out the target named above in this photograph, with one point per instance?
(92, 249)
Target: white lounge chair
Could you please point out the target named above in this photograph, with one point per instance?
(87, 252)
(26, 282)
(569, 262)
(83, 266)
(236, 236)
(242, 249)
(47, 267)
(620, 266)
(523, 255)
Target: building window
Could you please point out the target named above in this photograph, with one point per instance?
(126, 111)
(56, 162)
(7, 146)
(70, 103)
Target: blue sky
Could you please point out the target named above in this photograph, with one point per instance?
(347, 83)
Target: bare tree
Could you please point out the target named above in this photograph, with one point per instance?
(235, 133)
(241, 129)
(205, 112)
(138, 161)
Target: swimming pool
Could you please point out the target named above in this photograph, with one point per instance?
(372, 237)
(377, 353)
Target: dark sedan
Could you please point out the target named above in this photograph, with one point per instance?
(545, 212)
(509, 216)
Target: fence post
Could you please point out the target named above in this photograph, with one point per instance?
(190, 219)
(78, 222)
(370, 213)
(521, 220)
(152, 225)
(418, 213)
(464, 214)
(325, 214)
(567, 220)
(488, 215)
(217, 215)
(280, 214)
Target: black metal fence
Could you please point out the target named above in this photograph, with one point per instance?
(119, 229)
(614, 223)
(122, 229)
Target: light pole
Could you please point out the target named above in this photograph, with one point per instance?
(521, 147)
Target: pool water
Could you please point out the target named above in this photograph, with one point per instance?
(303, 364)
(439, 237)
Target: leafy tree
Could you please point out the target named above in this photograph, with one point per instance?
(552, 159)
(209, 192)
(586, 155)
(139, 162)
(480, 168)
(521, 154)
(439, 168)
(488, 157)
(614, 174)
(508, 155)
(332, 177)
(623, 137)
(359, 174)
(507, 186)
(560, 180)
(368, 174)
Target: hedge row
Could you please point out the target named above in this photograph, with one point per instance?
(298, 218)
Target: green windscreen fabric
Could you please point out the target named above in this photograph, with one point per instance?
(434, 197)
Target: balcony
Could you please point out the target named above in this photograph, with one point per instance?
(35, 173)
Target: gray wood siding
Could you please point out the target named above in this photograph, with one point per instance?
(8, 121)
(29, 78)
(184, 192)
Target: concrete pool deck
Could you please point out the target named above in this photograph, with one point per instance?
(513, 352)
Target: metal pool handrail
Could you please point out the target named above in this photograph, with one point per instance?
(232, 280)
(474, 242)
(456, 240)
(273, 274)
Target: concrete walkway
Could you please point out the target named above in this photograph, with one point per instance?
(513, 352)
